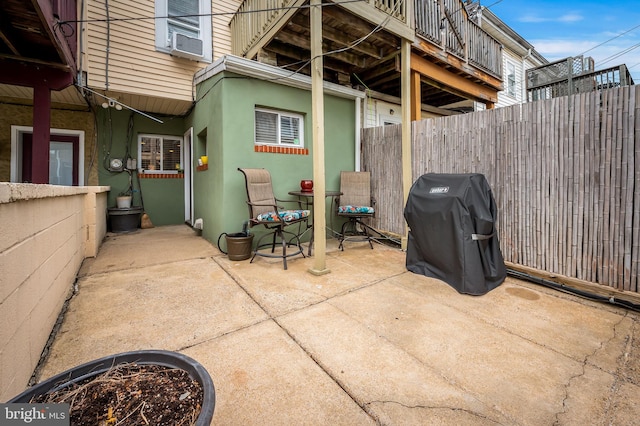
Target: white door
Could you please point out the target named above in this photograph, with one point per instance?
(187, 164)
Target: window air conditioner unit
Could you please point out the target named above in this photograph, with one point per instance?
(187, 47)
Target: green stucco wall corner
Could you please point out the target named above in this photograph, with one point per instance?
(225, 113)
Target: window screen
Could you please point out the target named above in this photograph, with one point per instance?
(160, 153)
(266, 127)
(511, 79)
(183, 17)
(278, 128)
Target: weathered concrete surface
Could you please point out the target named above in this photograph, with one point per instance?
(367, 343)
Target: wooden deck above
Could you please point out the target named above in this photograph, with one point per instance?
(362, 40)
(34, 43)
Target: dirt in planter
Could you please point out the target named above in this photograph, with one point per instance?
(131, 394)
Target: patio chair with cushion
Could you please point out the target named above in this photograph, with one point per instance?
(265, 210)
(356, 203)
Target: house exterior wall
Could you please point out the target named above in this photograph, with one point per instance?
(15, 114)
(47, 231)
(510, 59)
(377, 112)
(226, 116)
(133, 64)
(220, 26)
(163, 197)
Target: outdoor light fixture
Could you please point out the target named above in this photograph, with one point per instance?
(442, 28)
(111, 103)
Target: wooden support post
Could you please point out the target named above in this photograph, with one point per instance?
(405, 81)
(41, 134)
(317, 112)
(416, 97)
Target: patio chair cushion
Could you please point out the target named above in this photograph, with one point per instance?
(284, 215)
(355, 210)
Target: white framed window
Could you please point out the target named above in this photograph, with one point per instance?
(191, 18)
(511, 79)
(159, 153)
(279, 128)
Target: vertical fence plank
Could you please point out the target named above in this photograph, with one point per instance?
(635, 280)
(626, 202)
(605, 183)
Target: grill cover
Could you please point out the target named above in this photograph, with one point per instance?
(452, 233)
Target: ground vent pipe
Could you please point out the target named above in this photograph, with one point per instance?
(566, 289)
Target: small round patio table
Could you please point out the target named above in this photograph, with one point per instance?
(307, 197)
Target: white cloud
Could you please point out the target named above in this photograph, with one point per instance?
(561, 48)
(532, 19)
(566, 18)
(571, 17)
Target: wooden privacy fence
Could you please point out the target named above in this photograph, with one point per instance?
(565, 174)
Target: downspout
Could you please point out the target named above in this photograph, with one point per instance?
(80, 77)
(357, 165)
(524, 77)
(108, 41)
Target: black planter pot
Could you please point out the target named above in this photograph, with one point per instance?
(146, 357)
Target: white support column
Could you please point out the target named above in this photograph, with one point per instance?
(358, 152)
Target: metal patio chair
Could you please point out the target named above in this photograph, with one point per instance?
(356, 203)
(266, 210)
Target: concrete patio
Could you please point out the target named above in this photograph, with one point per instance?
(367, 343)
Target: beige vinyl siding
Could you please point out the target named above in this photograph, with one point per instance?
(134, 65)
(370, 112)
(503, 98)
(222, 14)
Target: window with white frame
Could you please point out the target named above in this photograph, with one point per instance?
(278, 128)
(191, 18)
(159, 153)
(511, 79)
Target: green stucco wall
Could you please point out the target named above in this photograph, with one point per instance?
(163, 198)
(225, 113)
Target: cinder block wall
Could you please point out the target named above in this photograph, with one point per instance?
(47, 231)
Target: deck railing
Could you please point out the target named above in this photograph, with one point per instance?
(445, 24)
(255, 17)
(569, 76)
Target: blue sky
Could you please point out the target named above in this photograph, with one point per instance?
(559, 29)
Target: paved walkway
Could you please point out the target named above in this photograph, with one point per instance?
(368, 343)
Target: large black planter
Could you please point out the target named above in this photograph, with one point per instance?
(146, 357)
(125, 219)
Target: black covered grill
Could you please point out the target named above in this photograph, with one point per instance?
(452, 233)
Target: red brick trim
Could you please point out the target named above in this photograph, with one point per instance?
(161, 175)
(281, 149)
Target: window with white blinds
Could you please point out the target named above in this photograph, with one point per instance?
(278, 128)
(159, 153)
